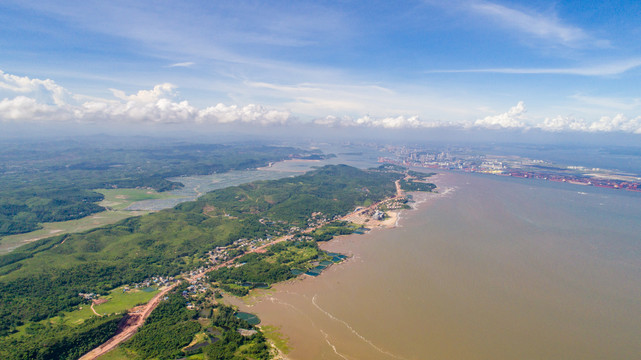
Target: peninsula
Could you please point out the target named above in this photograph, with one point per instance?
(228, 240)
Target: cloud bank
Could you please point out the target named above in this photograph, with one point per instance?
(36, 100)
(44, 100)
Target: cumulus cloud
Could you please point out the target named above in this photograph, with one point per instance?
(246, 114)
(22, 107)
(158, 92)
(40, 88)
(398, 122)
(157, 105)
(43, 100)
(617, 123)
(563, 123)
(390, 122)
(512, 119)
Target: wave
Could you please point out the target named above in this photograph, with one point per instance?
(354, 332)
(332, 345)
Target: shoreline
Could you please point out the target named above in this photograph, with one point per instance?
(346, 244)
(274, 166)
(391, 221)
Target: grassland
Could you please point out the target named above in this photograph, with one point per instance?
(116, 354)
(120, 199)
(120, 300)
(11, 242)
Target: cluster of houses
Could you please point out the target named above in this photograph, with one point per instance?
(88, 296)
(153, 281)
(316, 220)
(195, 272)
(195, 287)
(395, 203)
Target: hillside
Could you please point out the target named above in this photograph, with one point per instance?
(44, 278)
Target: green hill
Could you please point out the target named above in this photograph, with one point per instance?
(44, 278)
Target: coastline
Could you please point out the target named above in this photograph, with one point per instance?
(455, 268)
(272, 310)
(277, 165)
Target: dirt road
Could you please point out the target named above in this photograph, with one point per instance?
(137, 318)
(133, 321)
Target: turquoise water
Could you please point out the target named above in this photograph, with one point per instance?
(250, 318)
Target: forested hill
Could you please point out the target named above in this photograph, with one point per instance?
(44, 278)
(52, 181)
(331, 190)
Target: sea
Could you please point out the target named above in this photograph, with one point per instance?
(487, 268)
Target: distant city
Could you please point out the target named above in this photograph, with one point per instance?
(464, 159)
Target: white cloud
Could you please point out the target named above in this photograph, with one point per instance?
(182, 64)
(618, 123)
(607, 69)
(563, 123)
(36, 87)
(318, 99)
(512, 119)
(146, 106)
(544, 26)
(22, 107)
(398, 122)
(390, 122)
(248, 114)
(158, 92)
(158, 105)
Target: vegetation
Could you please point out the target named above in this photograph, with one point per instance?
(53, 181)
(332, 190)
(232, 345)
(419, 175)
(59, 341)
(270, 267)
(170, 327)
(120, 300)
(327, 232)
(12, 242)
(277, 338)
(417, 186)
(40, 280)
(120, 199)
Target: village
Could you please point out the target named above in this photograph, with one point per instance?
(382, 214)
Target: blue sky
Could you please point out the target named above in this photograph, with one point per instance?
(558, 66)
